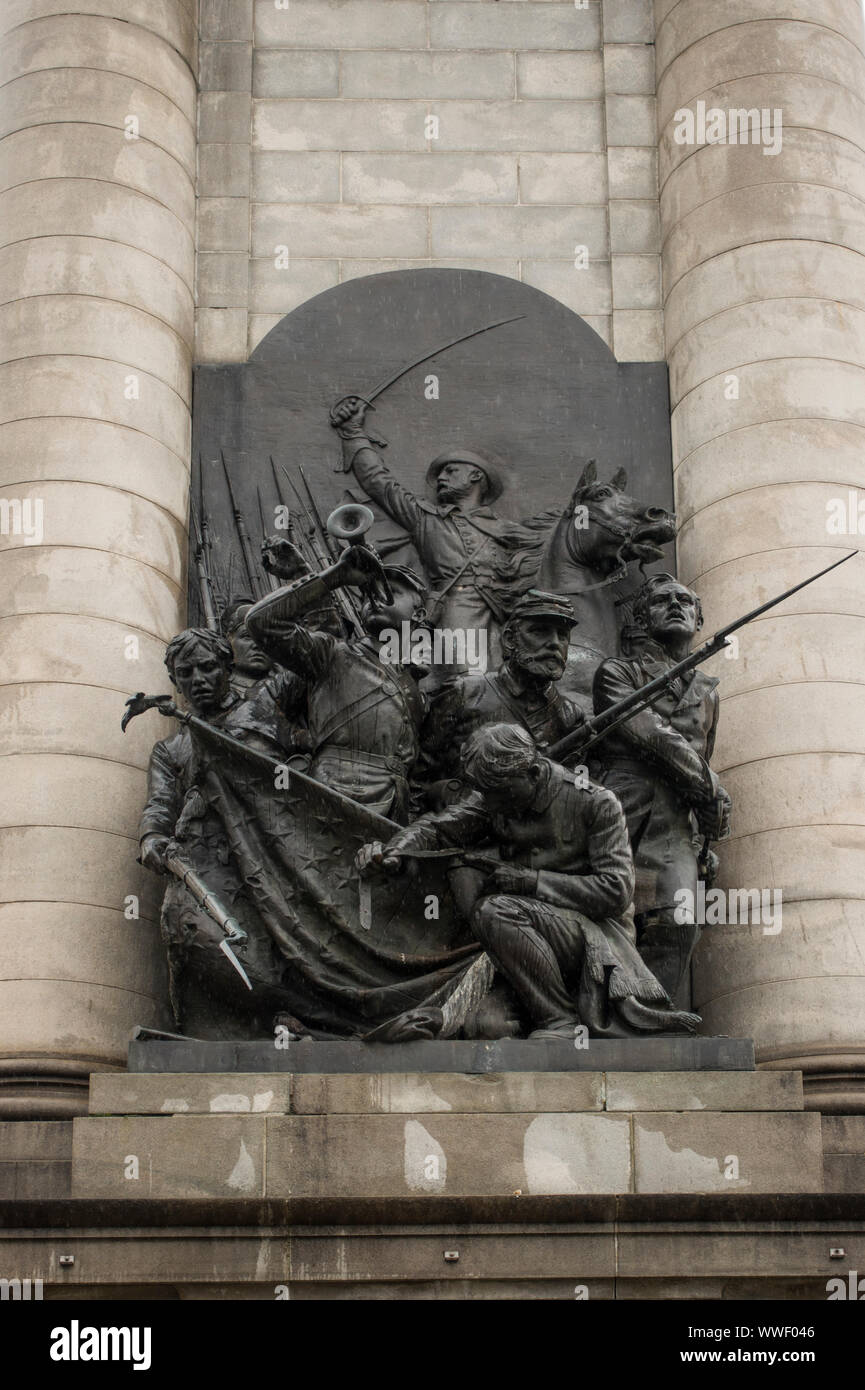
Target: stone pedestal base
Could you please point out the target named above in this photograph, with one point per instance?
(440, 1185)
(394, 1136)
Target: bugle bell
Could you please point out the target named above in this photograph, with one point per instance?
(350, 522)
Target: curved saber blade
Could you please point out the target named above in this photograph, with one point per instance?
(389, 381)
(464, 337)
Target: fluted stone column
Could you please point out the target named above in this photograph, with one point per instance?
(97, 161)
(764, 282)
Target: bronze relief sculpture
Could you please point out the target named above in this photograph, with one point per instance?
(372, 832)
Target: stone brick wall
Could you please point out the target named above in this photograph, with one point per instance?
(317, 129)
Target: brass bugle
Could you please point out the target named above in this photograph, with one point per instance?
(350, 522)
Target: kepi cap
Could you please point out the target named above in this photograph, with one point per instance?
(536, 603)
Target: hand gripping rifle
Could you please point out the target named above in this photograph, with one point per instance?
(580, 740)
(209, 903)
(198, 889)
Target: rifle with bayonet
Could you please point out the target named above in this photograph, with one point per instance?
(325, 552)
(581, 740)
(202, 570)
(210, 904)
(256, 583)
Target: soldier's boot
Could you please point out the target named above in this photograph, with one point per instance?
(666, 946)
(528, 963)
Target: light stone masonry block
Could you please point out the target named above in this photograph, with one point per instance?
(586, 291)
(94, 863)
(709, 1091)
(101, 44)
(92, 1020)
(631, 121)
(80, 150)
(629, 69)
(223, 224)
(568, 76)
(93, 451)
(225, 67)
(563, 178)
(224, 116)
(527, 125)
(283, 176)
(87, 717)
(519, 231)
(341, 24)
(638, 335)
(845, 1173)
(90, 207)
(281, 72)
(416, 1093)
(220, 335)
(122, 591)
(339, 230)
(747, 331)
(279, 290)
(747, 272)
(223, 171)
(93, 266)
(93, 388)
(68, 324)
(844, 1134)
(524, 26)
(628, 21)
(404, 1155)
(425, 74)
(634, 226)
(32, 1139)
(632, 173)
(787, 51)
(177, 1156)
(225, 19)
(429, 178)
(772, 391)
(400, 125)
(125, 1093)
(636, 282)
(99, 98)
(223, 279)
(339, 125)
(731, 1152)
(715, 170)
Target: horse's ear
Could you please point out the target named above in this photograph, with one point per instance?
(619, 480)
(588, 475)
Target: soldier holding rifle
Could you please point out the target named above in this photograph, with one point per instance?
(363, 714)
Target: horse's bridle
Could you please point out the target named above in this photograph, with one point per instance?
(623, 533)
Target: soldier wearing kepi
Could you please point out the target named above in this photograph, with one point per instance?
(363, 713)
(657, 763)
(555, 917)
(475, 562)
(522, 691)
(274, 695)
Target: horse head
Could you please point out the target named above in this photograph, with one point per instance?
(601, 529)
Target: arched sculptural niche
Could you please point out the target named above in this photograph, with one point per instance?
(368, 797)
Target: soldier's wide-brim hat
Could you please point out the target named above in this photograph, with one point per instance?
(537, 603)
(491, 468)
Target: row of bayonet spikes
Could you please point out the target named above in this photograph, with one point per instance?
(317, 546)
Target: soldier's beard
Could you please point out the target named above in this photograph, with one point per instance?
(452, 492)
(548, 666)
